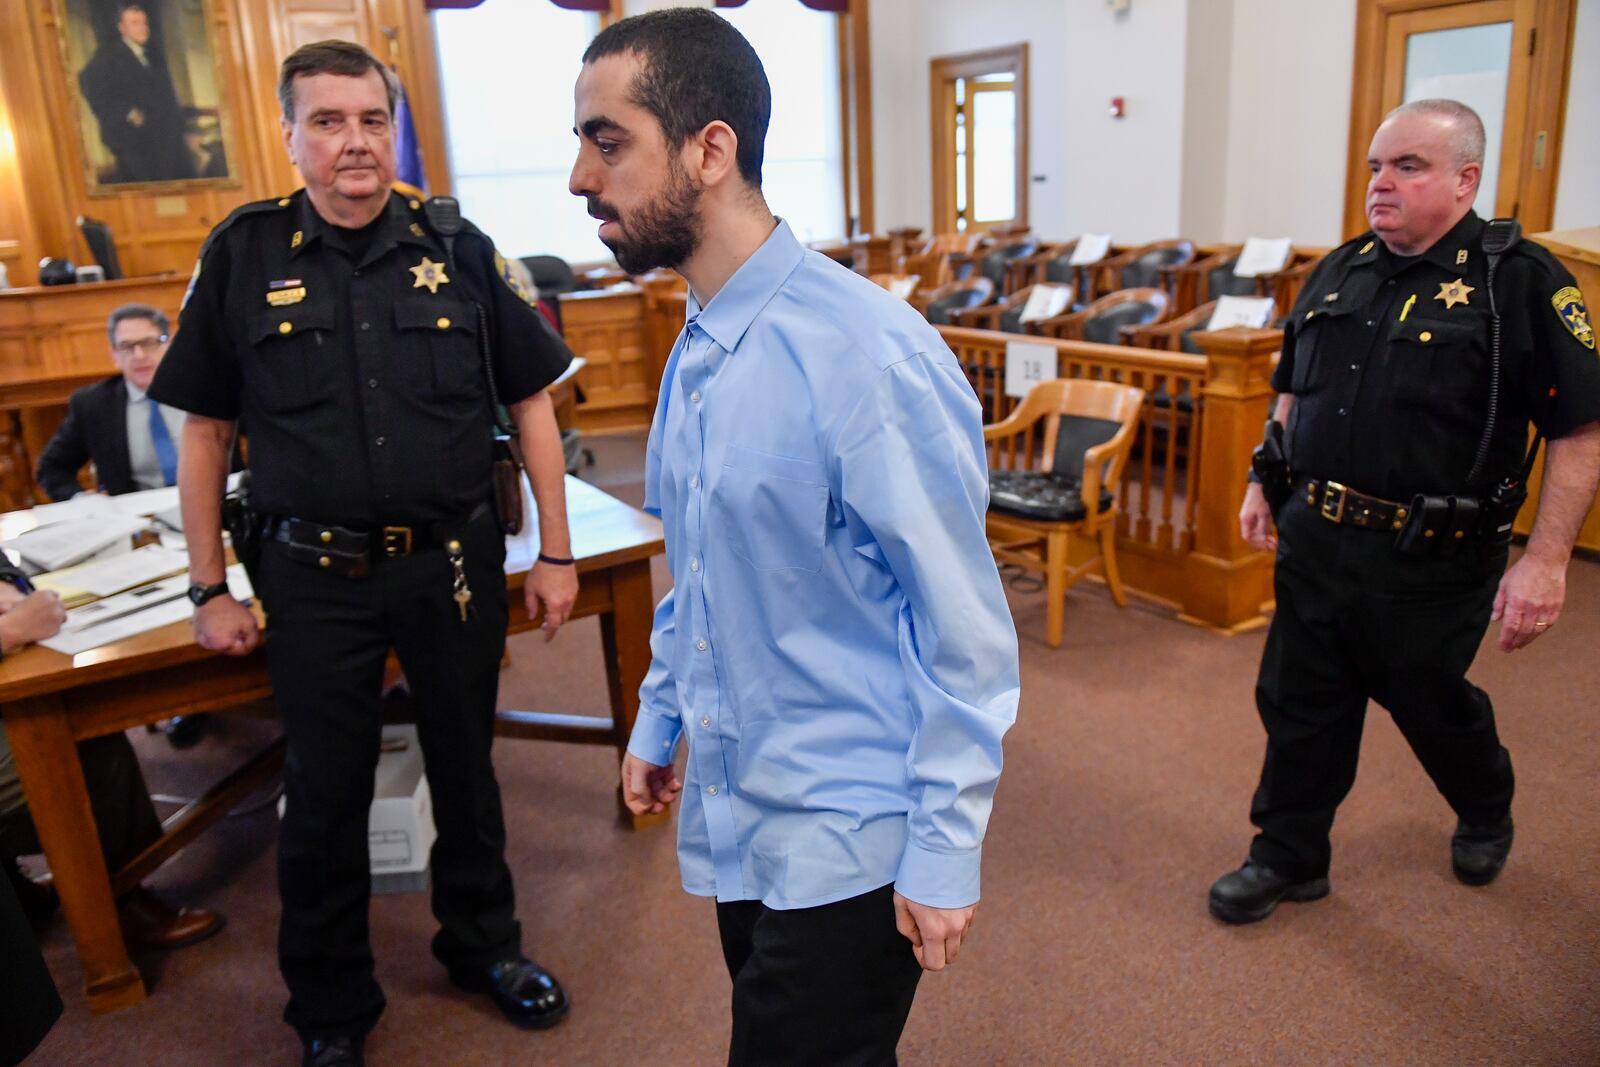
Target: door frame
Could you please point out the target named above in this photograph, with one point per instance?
(1547, 42)
(942, 73)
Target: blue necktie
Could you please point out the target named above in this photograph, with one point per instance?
(166, 453)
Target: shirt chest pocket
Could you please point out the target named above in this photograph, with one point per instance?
(439, 347)
(1317, 342)
(773, 509)
(1441, 367)
(294, 361)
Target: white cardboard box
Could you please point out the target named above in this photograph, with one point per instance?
(400, 830)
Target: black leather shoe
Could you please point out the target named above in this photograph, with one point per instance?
(185, 731)
(1477, 853)
(525, 992)
(334, 1052)
(1252, 892)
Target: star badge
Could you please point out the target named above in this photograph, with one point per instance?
(429, 274)
(1452, 293)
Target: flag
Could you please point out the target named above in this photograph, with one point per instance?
(408, 154)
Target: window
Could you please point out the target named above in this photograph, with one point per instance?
(803, 173)
(506, 70)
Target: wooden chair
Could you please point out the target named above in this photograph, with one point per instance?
(907, 284)
(1140, 268)
(1106, 320)
(1088, 431)
(997, 259)
(931, 267)
(871, 254)
(941, 303)
(1006, 316)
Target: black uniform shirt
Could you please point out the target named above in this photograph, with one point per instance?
(1388, 361)
(356, 371)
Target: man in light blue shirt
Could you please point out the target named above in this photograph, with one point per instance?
(837, 650)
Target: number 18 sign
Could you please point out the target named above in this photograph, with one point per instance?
(1027, 364)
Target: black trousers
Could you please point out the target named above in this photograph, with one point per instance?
(830, 985)
(1355, 622)
(327, 638)
(118, 798)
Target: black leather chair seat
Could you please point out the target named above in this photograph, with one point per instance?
(1035, 495)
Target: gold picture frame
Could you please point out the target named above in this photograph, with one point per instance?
(147, 94)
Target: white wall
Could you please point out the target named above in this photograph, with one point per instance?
(1289, 119)
(1097, 172)
(1578, 183)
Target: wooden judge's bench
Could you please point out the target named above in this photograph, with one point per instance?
(52, 342)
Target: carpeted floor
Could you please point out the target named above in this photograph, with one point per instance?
(1125, 793)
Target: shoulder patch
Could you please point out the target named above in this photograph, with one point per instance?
(512, 276)
(1570, 309)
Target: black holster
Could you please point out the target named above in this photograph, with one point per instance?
(1270, 465)
(1439, 525)
(239, 519)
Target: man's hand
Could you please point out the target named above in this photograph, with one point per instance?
(34, 617)
(222, 624)
(648, 789)
(935, 934)
(10, 597)
(135, 117)
(555, 585)
(1255, 520)
(1529, 600)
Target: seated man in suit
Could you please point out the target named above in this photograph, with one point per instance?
(132, 440)
(117, 795)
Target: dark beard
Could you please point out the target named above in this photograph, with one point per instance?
(661, 235)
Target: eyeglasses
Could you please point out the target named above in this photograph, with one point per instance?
(144, 344)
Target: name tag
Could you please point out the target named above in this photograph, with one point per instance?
(284, 297)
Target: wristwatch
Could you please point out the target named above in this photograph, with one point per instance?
(199, 594)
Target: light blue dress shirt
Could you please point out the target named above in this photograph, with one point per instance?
(837, 647)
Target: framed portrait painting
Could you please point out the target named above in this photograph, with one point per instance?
(147, 92)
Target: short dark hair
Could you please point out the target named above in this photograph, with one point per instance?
(697, 69)
(137, 311)
(330, 57)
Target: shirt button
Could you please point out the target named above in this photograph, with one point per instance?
(711, 789)
(694, 565)
(1371, 323)
(694, 481)
(1355, 366)
(1343, 411)
(366, 325)
(378, 441)
(695, 396)
(700, 644)
(706, 722)
(372, 383)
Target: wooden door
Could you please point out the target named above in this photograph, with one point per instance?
(979, 106)
(1507, 59)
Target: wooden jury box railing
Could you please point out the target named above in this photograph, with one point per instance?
(1178, 536)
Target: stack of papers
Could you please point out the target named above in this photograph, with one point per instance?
(1091, 248)
(138, 611)
(1262, 255)
(106, 577)
(1254, 311)
(64, 543)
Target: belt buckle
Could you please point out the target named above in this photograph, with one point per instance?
(1333, 510)
(396, 541)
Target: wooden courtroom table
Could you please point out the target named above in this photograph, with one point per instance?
(51, 701)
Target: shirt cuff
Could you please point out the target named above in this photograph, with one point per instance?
(939, 879)
(654, 737)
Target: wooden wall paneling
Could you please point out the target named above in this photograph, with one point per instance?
(417, 59)
(609, 329)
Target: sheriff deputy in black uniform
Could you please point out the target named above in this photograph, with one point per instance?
(1401, 469)
(344, 330)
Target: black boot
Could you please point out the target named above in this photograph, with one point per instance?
(1252, 892)
(1478, 852)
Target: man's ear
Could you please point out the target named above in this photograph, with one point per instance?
(1467, 181)
(718, 152)
(288, 134)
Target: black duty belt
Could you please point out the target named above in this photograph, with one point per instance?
(351, 552)
(1339, 503)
